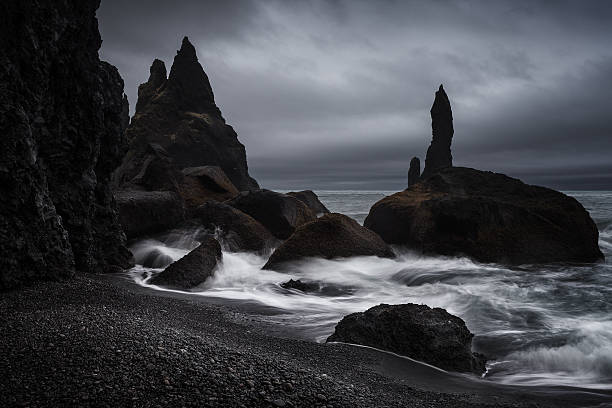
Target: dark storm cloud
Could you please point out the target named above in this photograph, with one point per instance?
(336, 94)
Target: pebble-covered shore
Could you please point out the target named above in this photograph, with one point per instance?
(97, 341)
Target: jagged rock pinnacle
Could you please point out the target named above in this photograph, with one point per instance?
(439, 152)
(189, 81)
(415, 171)
(146, 91)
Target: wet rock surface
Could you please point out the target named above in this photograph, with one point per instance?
(416, 331)
(309, 198)
(279, 213)
(489, 217)
(62, 118)
(331, 236)
(192, 269)
(237, 230)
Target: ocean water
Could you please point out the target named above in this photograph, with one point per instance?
(538, 324)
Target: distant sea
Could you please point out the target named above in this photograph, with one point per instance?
(538, 324)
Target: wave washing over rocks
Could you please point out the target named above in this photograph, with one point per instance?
(539, 325)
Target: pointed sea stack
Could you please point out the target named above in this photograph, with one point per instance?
(439, 152)
(414, 172)
(179, 114)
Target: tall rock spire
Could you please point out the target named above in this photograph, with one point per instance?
(439, 151)
(189, 82)
(414, 172)
(146, 91)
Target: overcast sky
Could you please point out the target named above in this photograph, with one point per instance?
(336, 94)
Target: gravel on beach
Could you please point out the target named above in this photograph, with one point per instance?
(96, 341)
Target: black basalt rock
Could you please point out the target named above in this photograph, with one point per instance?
(179, 114)
(62, 118)
(439, 152)
(415, 171)
(416, 331)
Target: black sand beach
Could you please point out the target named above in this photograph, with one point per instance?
(103, 341)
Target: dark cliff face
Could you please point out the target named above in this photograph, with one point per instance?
(62, 120)
(439, 152)
(179, 114)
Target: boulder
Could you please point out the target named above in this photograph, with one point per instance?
(414, 172)
(151, 170)
(311, 200)
(179, 114)
(205, 183)
(192, 269)
(237, 230)
(487, 216)
(439, 152)
(63, 114)
(279, 213)
(148, 212)
(417, 331)
(331, 236)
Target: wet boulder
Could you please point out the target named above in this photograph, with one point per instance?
(487, 216)
(433, 336)
(301, 285)
(237, 230)
(205, 183)
(331, 236)
(193, 269)
(309, 198)
(147, 212)
(279, 213)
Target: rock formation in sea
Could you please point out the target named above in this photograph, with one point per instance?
(193, 269)
(331, 236)
(63, 114)
(490, 217)
(414, 172)
(179, 114)
(439, 152)
(416, 331)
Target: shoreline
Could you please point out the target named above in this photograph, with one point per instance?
(103, 340)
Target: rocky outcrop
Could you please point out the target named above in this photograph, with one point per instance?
(62, 119)
(149, 212)
(439, 152)
(331, 236)
(179, 114)
(311, 200)
(279, 213)
(489, 217)
(193, 269)
(237, 230)
(433, 336)
(414, 172)
(205, 183)
(151, 170)
(300, 285)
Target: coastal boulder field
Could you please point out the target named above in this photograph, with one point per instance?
(416, 331)
(62, 117)
(193, 269)
(331, 236)
(487, 216)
